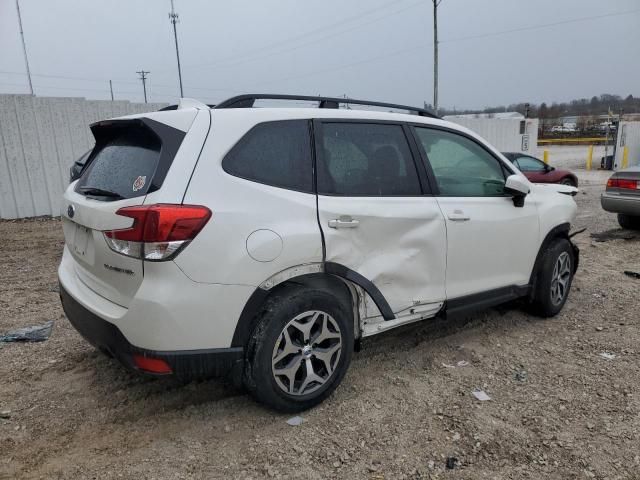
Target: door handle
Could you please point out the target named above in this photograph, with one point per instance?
(458, 216)
(343, 222)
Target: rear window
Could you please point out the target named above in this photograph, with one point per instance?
(274, 153)
(123, 165)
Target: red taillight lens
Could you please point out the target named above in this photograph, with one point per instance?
(152, 365)
(158, 231)
(623, 183)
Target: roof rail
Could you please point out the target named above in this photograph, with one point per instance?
(248, 100)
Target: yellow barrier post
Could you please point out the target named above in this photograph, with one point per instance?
(625, 157)
(545, 157)
(589, 157)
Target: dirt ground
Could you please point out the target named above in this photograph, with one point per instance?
(558, 410)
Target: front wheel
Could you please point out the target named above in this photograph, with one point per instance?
(554, 278)
(568, 181)
(300, 349)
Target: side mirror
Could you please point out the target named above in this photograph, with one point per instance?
(549, 168)
(518, 187)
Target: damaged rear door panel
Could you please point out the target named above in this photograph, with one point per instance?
(375, 217)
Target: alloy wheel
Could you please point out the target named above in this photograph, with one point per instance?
(560, 278)
(307, 353)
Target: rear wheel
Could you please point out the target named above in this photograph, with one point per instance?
(300, 349)
(554, 278)
(628, 221)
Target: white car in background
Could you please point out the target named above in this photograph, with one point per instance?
(264, 243)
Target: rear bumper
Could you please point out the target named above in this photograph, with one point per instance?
(621, 204)
(185, 364)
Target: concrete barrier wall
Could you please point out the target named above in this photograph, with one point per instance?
(40, 137)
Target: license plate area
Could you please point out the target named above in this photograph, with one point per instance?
(80, 240)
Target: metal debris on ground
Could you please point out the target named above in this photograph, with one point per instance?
(608, 356)
(481, 395)
(295, 421)
(37, 333)
(5, 414)
(631, 274)
(452, 462)
(461, 363)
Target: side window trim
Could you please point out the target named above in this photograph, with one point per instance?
(317, 135)
(425, 159)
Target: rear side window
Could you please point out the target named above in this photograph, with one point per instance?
(366, 159)
(123, 165)
(274, 153)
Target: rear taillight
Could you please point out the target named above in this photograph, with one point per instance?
(623, 183)
(159, 231)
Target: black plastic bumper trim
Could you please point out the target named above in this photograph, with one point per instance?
(185, 364)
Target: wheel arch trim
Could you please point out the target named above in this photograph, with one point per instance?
(559, 231)
(247, 319)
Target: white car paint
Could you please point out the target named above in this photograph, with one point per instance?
(413, 249)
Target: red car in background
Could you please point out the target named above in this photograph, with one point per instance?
(539, 172)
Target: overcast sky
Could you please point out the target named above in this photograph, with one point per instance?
(492, 51)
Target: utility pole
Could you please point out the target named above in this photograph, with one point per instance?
(173, 18)
(143, 77)
(111, 88)
(24, 47)
(436, 3)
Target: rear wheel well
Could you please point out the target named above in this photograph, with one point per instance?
(317, 281)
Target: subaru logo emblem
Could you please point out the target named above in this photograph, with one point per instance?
(71, 211)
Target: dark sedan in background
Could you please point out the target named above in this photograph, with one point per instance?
(539, 172)
(622, 196)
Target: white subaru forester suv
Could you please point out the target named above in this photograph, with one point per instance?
(265, 243)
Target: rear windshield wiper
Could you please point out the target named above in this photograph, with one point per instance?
(100, 192)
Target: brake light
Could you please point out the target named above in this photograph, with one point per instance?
(623, 183)
(159, 231)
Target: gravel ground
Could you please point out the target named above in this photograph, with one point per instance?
(558, 410)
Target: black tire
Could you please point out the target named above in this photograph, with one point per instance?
(568, 181)
(279, 311)
(629, 222)
(545, 296)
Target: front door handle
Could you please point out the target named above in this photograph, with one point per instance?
(343, 222)
(458, 216)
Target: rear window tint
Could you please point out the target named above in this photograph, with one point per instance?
(274, 153)
(125, 164)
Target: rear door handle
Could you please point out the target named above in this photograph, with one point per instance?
(343, 222)
(458, 216)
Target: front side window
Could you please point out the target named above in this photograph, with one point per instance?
(461, 167)
(529, 164)
(274, 153)
(366, 159)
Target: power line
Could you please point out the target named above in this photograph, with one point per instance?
(422, 46)
(536, 27)
(250, 56)
(87, 79)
